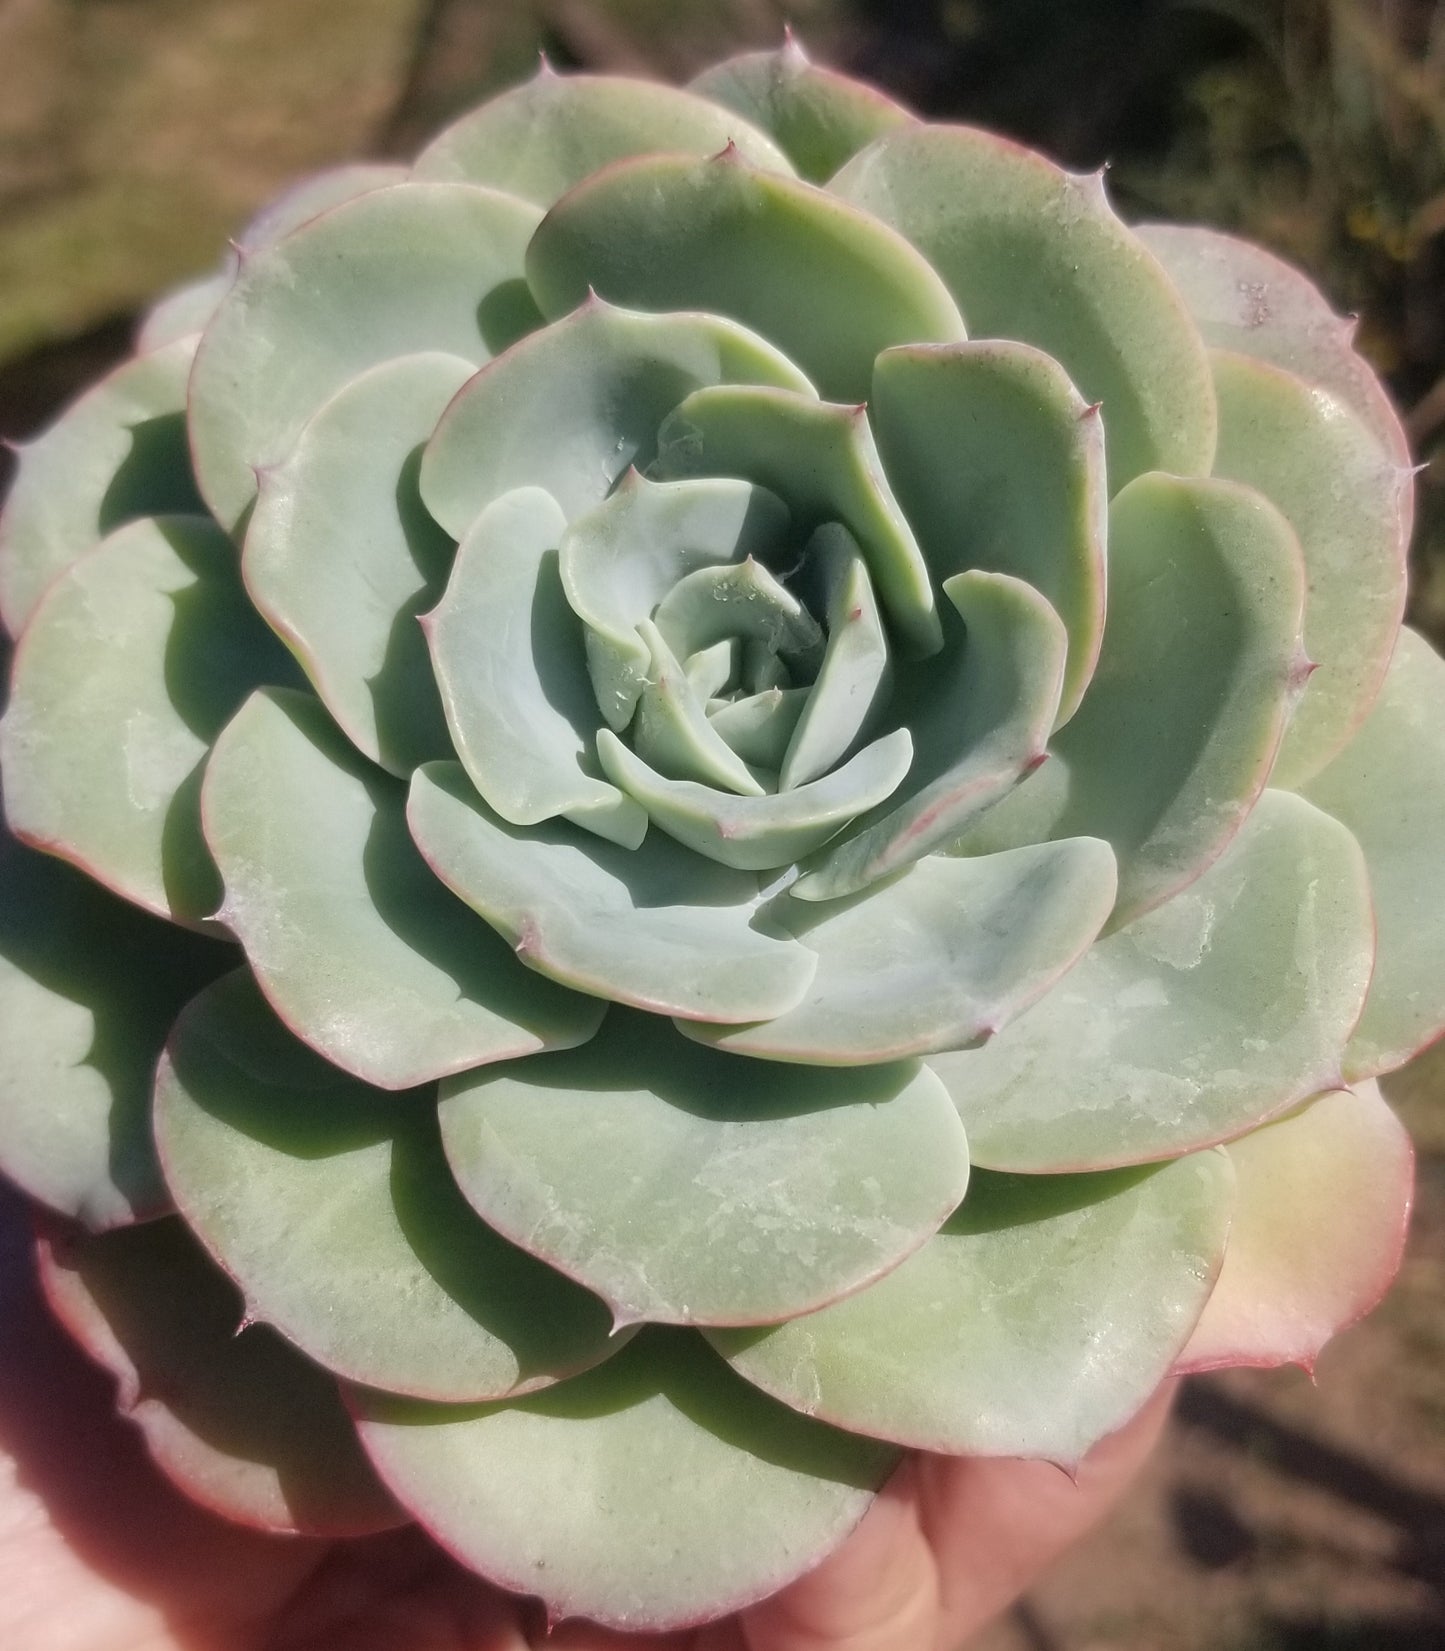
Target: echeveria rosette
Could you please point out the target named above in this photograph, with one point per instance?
(726, 784)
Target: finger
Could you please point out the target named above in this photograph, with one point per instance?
(996, 1525)
(878, 1592)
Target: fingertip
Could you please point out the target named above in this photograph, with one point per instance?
(878, 1592)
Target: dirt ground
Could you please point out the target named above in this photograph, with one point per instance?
(1281, 1516)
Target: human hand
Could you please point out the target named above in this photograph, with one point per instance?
(98, 1553)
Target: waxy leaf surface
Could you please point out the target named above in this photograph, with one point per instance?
(1225, 1006)
(331, 1206)
(134, 661)
(664, 233)
(357, 946)
(1039, 1319)
(702, 1495)
(648, 926)
(687, 1186)
(1318, 1231)
(241, 1423)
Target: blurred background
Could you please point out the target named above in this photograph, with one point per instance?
(135, 135)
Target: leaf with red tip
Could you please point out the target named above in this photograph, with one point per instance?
(687, 1186)
(1032, 253)
(1244, 298)
(980, 714)
(668, 233)
(131, 665)
(427, 266)
(1308, 453)
(1227, 1005)
(1200, 664)
(355, 943)
(657, 1492)
(1039, 1319)
(117, 453)
(332, 1206)
(998, 463)
(540, 139)
(934, 959)
(1388, 786)
(649, 926)
(241, 1423)
(1318, 1232)
(80, 1033)
(819, 118)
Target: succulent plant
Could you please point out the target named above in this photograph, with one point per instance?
(717, 785)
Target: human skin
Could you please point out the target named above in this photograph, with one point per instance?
(99, 1553)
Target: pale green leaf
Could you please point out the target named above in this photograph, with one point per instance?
(702, 1496)
(331, 1205)
(540, 139)
(935, 959)
(668, 233)
(357, 946)
(578, 404)
(1032, 253)
(241, 1423)
(1228, 1004)
(510, 663)
(341, 557)
(690, 1187)
(117, 453)
(651, 926)
(1041, 1317)
(398, 271)
(133, 662)
(1388, 787)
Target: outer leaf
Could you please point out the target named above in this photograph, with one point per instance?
(1227, 1005)
(341, 556)
(508, 654)
(1388, 786)
(620, 560)
(309, 197)
(130, 666)
(1310, 455)
(1033, 254)
(1180, 726)
(821, 461)
(935, 959)
(242, 1424)
(665, 233)
(332, 1206)
(79, 1037)
(1318, 1232)
(116, 454)
(818, 117)
(690, 1187)
(981, 722)
(358, 948)
(999, 464)
(1244, 298)
(650, 927)
(760, 833)
(427, 267)
(184, 311)
(1040, 1319)
(702, 1496)
(540, 139)
(187, 309)
(576, 406)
